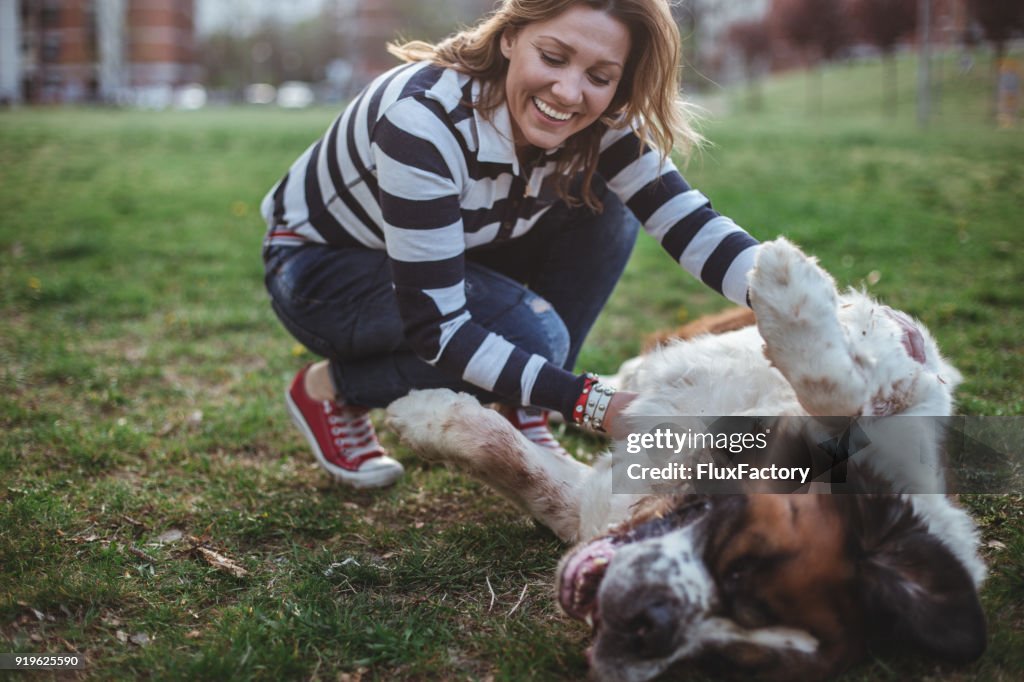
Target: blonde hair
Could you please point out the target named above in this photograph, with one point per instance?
(647, 97)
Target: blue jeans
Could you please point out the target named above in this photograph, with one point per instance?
(542, 292)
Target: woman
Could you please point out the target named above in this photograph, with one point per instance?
(465, 220)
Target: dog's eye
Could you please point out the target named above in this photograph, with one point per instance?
(737, 572)
(739, 591)
(742, 569)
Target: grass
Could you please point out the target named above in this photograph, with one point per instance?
(141, 371)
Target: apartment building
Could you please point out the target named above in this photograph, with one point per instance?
(69, 51)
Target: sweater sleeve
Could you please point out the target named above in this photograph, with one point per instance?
(419, 168)
(706, 244)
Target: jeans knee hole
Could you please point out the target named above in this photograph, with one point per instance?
(540, 305)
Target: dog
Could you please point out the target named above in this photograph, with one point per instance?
(753, 583)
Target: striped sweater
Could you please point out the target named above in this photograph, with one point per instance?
(411, 168)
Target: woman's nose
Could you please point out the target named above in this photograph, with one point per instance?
(568, 90)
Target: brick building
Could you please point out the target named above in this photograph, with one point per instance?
(66, 51)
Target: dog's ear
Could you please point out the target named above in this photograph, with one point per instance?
(914, 590)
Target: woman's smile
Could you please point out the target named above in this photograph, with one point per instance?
(551, 112)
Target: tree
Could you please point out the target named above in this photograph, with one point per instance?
(882, 23)
(753, 39)
(816, 28)
(999, 19)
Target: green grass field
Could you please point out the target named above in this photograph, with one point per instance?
(141, 374)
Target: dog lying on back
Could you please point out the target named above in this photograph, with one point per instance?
(775, 586)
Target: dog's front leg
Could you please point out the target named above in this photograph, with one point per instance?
(444, 426)
(796, 304)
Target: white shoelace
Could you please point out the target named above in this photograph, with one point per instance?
(352, 429)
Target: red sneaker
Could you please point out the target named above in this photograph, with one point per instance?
(533, 423)
(342, 438)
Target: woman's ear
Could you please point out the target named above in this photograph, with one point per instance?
(508, 39)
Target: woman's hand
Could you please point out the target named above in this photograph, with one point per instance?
(614, 423)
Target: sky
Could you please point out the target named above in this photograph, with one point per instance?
(217, 14)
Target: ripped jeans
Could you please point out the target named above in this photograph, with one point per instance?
(542, 292)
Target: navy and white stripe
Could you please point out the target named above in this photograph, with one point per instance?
(410, 168)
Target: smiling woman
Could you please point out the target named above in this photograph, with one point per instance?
(464, 221)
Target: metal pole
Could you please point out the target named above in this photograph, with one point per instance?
(924, 23)
(10, 52)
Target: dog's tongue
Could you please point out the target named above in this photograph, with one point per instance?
(581, 577)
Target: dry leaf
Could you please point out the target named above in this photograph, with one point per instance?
(168, 536)
(122, 636)
(221, 562)
(135, 551)
(193, 634)
(995, 544)
(134, 522)
(140, 638)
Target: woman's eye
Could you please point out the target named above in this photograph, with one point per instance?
(551, 59)
(599, 80)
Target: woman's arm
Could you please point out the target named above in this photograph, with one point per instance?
(706, 244)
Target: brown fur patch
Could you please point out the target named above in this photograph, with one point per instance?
(893, 401)
(652, 507)
(728, 320)
(818, 385)
(814, 583)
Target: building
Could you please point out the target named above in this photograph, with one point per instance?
(718, 59)
(68, 51)
(368, 25)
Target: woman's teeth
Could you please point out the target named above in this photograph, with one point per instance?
(553, 113)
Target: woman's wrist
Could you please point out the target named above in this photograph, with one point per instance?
(591, 408)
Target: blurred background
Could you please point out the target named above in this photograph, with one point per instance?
(193, 53)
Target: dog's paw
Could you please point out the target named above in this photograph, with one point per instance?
(788, 287)
(420, 418)
(786, 282)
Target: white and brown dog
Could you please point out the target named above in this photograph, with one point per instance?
(780, 586)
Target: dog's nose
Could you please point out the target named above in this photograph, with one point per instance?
(647, 625)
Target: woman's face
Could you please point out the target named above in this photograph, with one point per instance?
(562, 74)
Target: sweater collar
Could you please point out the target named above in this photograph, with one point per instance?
(497, 142)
